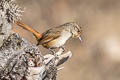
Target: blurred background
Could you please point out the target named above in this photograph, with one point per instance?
(98, 56)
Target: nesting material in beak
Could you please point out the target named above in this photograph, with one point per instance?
(80, 38)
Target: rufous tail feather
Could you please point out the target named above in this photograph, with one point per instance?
(24, 26)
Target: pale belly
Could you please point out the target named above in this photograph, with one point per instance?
(60, 41)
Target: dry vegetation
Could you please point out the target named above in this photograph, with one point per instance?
(98, 57)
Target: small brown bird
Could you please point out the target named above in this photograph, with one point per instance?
(57, 36)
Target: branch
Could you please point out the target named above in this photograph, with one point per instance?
(19, 59)
(9, 13)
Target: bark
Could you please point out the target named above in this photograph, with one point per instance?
(19, 59)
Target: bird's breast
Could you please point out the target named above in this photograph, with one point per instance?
(60, 41)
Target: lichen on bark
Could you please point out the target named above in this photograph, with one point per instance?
(9, 13)
(20, 59)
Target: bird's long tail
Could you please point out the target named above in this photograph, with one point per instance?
(24, 26)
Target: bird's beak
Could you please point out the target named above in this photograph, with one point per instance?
(80, 38)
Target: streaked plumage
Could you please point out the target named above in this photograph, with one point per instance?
(57, 36)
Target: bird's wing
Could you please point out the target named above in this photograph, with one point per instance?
(49, 36)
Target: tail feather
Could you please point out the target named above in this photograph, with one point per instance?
(24, 26)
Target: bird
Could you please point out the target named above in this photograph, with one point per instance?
(57, 36)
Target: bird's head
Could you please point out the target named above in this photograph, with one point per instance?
(74, 29)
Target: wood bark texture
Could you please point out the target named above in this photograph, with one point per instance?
(19, 59)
